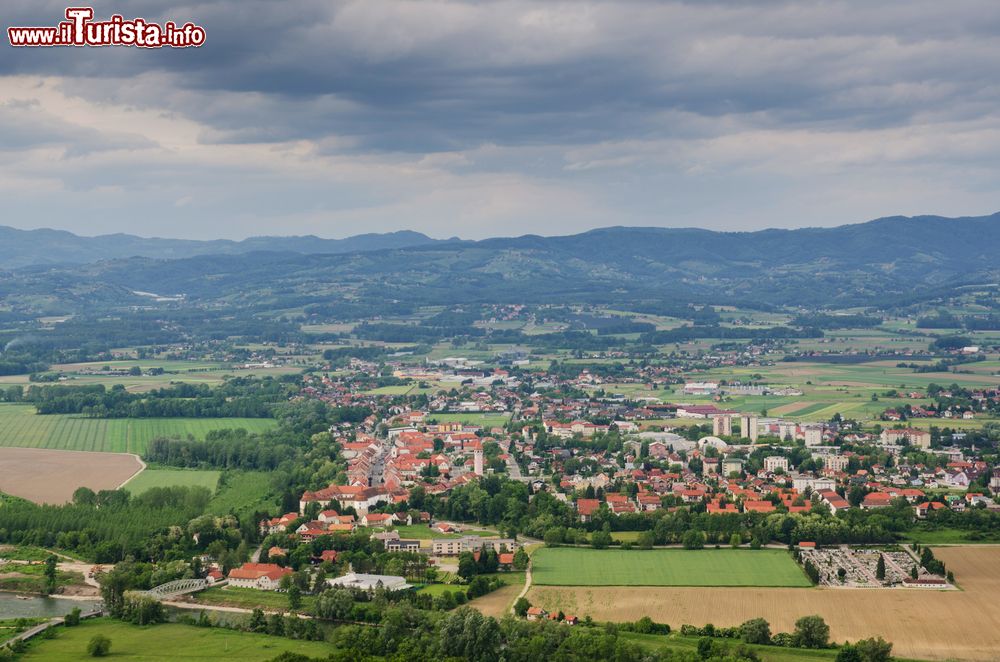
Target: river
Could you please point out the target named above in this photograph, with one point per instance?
(12, 606)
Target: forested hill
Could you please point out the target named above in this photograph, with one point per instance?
(21, 248)
(884, 261)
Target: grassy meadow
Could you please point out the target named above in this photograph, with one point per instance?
(150, 478)
(568, 566)
(168, 641)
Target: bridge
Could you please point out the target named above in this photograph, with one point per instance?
(175, 589)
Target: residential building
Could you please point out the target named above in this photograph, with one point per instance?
(774, 462)
(263, 576)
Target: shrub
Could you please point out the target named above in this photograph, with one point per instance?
(98, 646)
(756, 631)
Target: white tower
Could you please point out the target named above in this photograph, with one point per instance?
(722, 425)
(477, 456)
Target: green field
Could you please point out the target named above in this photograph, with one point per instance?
(150, 478)
(20, 426)
(168, 641)
(946, 536)
(566, 566)
(249, 598)
(243, 492)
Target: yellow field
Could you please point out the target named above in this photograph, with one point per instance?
(927, 624)
(498, 603)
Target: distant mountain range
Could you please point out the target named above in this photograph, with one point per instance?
(885, 261)
(21, 248)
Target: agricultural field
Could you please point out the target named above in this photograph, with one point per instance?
(567, 566)
(829, 389)
(168, 641)
(150, 478)
(192, 372)
(921, 623)
(48, 476)
(21, 427)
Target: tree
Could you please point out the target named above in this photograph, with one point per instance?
(335, 605)
(880, 568)
(50, 573)
(258, 622)
(72, 618)
(705, 648)
(294, 597)
(756, 631)
(735, 540)
(520, 559)
(645, 540)
(874, 650)
(521, 607)
(848, 654)
(140, 609)
(84, 496)
(467, 566)
(98, 646)
(694, 539)
(601, 539)
(811, 632)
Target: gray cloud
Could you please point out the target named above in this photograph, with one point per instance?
(637, 112)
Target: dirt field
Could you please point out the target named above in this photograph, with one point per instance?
(46, 476)
(498, 603)
(925, 624)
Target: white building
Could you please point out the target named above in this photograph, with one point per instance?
(370, 582)
(814, 436)
(836, 462)
(722, 425)
(775, 462)
(749, 427)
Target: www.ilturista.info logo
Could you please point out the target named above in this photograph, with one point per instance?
(79, 29)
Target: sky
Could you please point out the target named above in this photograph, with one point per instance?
(479, 119)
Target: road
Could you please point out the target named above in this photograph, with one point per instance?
(514, 470)
(527, 586)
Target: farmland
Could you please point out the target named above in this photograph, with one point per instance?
(937, 625)
(47, 476)
(169, 641)
(564, 566)
(150, 478)
(21, 427)
(193, 372)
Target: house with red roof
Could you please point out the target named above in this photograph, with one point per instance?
(262, 576)
(876, 500)
(758, 507)
(586, 508)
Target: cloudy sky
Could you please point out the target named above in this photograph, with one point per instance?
(487, 118)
